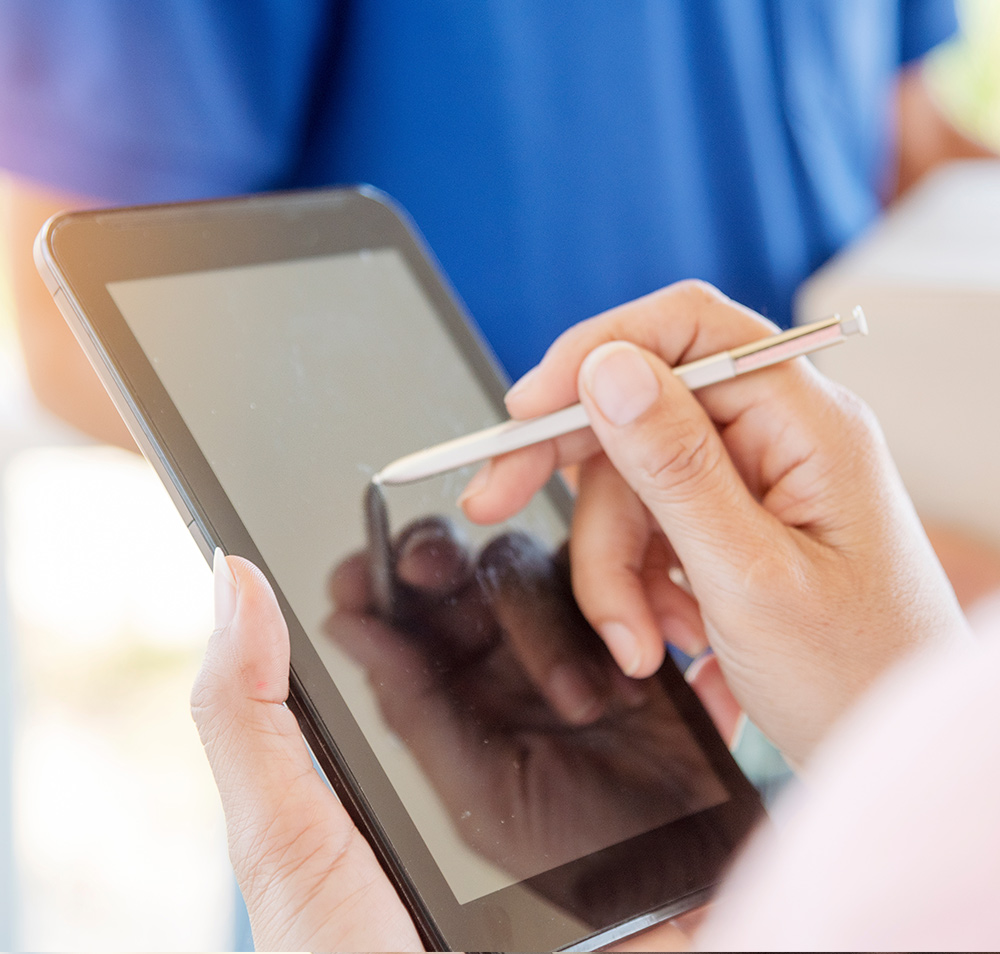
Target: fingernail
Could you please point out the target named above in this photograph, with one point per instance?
(681, 633)
(623, 645)
(522, 384)
(477, 484)
(225, 590)
(572, 695)
(620, 381)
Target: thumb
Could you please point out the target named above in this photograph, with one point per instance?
(662, 441)
(310, 881)
(237, 702)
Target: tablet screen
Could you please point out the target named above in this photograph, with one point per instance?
(299, 380)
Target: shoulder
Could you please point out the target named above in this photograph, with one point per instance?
(153, 101)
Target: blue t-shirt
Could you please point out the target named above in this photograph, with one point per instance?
(561, 156)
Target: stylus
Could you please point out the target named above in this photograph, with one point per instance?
(513, 435)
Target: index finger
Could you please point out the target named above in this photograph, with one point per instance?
(680, 323)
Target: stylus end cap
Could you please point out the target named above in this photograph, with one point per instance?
(857, 324)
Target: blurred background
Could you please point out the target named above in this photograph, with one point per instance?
(112, 837)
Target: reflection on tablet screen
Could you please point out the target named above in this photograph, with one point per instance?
(511, 738)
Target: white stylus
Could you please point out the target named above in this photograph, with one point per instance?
(512, 435)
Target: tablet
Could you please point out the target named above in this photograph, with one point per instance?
(269, 355)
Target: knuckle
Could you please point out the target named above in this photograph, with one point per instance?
(858, 424)
(853, 411)
(846, 401)
(266, 854)
(772, 573)
(211, 699)
(204, 694)
(697, 291)
(683, 461)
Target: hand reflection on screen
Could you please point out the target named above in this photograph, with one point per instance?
(540, 748)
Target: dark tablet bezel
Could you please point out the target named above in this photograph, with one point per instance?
(621, 888)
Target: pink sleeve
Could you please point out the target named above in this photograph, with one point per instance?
(893, 840)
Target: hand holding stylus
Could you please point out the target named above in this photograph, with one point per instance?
(774, 493)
